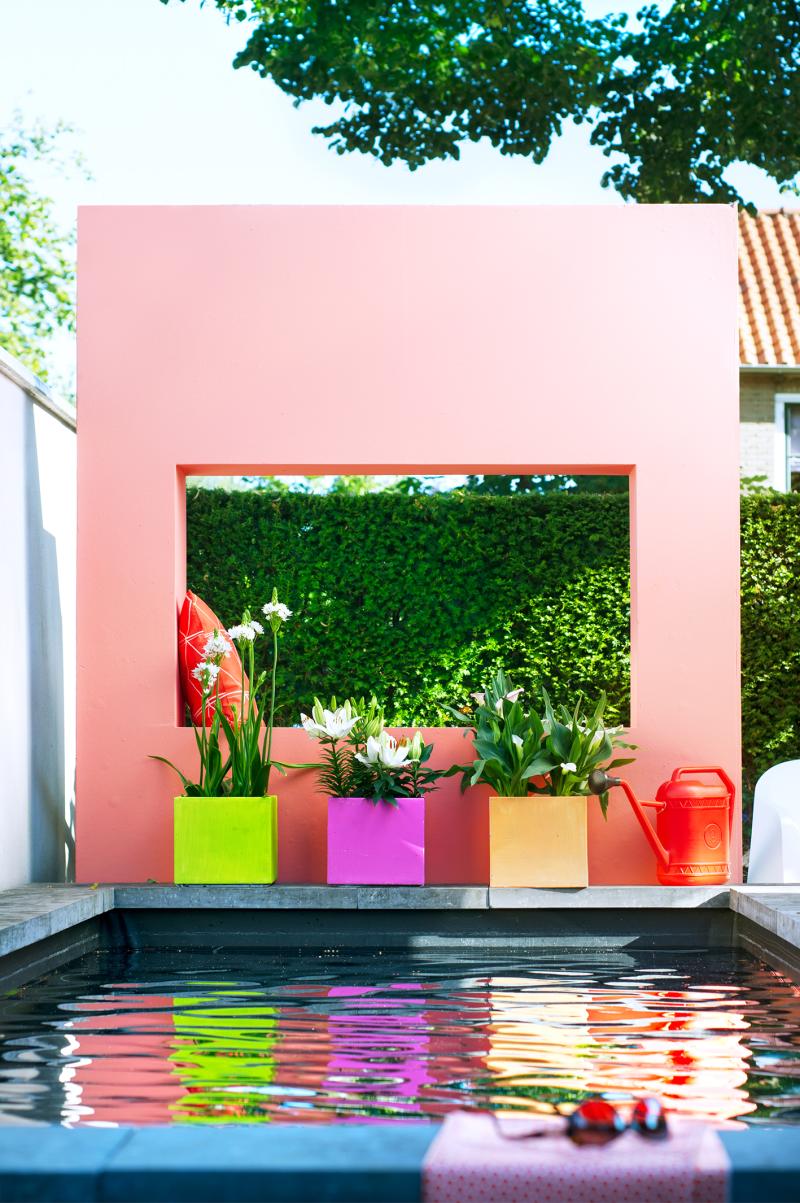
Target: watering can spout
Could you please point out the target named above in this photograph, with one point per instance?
(600, 782)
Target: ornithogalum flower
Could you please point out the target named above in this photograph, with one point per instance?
(217, 647)
(246, 631)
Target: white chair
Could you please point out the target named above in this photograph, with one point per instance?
(775, 843)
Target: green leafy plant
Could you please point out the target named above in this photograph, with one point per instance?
(515, 748)
(342, 730)
(575, 744)
(362, 760)
(243, 770)
(214, 763)
(507, 740)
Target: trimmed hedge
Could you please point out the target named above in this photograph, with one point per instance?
(419, 598)
(770, 632)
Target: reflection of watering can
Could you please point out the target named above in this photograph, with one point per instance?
(692, 842)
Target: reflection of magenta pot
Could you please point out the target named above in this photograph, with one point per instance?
(376, 843)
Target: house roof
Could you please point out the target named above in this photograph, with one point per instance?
(769, 288)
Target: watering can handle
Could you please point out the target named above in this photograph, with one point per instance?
(715, 771)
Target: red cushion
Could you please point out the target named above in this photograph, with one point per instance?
(197, 621)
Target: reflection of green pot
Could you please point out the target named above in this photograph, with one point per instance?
(226, 840)
(223, 1055)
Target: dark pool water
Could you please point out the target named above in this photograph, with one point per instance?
(153, 1038)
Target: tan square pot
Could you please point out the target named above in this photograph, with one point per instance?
(538, 841)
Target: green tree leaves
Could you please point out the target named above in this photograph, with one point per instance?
(674, 99)
(37, 268)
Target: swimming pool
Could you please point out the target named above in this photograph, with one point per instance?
(228, 1037)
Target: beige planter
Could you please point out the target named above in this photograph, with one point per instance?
(538, 841)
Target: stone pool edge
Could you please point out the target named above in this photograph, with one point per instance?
(359, 1163)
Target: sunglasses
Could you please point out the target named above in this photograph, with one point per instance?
(597, 1122)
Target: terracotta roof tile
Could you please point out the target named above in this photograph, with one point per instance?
(769, 288)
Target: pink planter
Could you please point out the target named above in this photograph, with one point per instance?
(376, 844)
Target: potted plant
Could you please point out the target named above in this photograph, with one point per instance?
(376, 786)
(226, 822)
(538, 768)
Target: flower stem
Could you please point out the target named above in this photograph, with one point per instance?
(272, 704)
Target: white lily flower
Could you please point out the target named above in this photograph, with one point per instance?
(334, 724)
(415, 746)
(384, 750)
(479, 697)
(512, 696)
(569, 767)
(517, 740)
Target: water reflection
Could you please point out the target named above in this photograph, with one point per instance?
(156, 1039)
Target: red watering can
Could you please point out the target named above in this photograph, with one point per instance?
(692, 839)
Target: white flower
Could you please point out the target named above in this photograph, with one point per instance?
(276, 609)
(415, 746)
(480, 698)
(216, 645)
(384, 750)
(334, 725)
(568, 766)
(246, 630)
(516, 739)
(513, 696)
(206, 673)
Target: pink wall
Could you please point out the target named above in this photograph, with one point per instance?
(378, 339)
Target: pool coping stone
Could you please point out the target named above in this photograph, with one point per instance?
(30, 914)
(293, 1163)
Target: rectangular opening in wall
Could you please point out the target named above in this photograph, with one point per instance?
(417, 588)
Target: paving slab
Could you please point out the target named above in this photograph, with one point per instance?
(609, 897)
(287, 1162)
(433, 898)
(32, 913)
(765, 1164)
(775, 909)
(43, 1161)
(230, 897)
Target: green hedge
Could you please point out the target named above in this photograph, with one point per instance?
(418, 598)
(770, 632)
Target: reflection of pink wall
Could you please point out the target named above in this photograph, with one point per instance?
(125, 1075)
(295, 339)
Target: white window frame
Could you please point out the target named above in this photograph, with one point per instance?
(780, 471)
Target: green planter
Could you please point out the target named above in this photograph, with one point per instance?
(229, 841)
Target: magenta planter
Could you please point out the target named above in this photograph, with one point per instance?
(376, 844)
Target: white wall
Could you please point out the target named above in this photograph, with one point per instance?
(37, 630)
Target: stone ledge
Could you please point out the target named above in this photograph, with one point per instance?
(610, 897)
(299, 897)
(251, 897)
(32, 913)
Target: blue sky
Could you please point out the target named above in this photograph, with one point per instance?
(163, 118)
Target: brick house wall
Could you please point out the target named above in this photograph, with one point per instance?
(758, 432)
